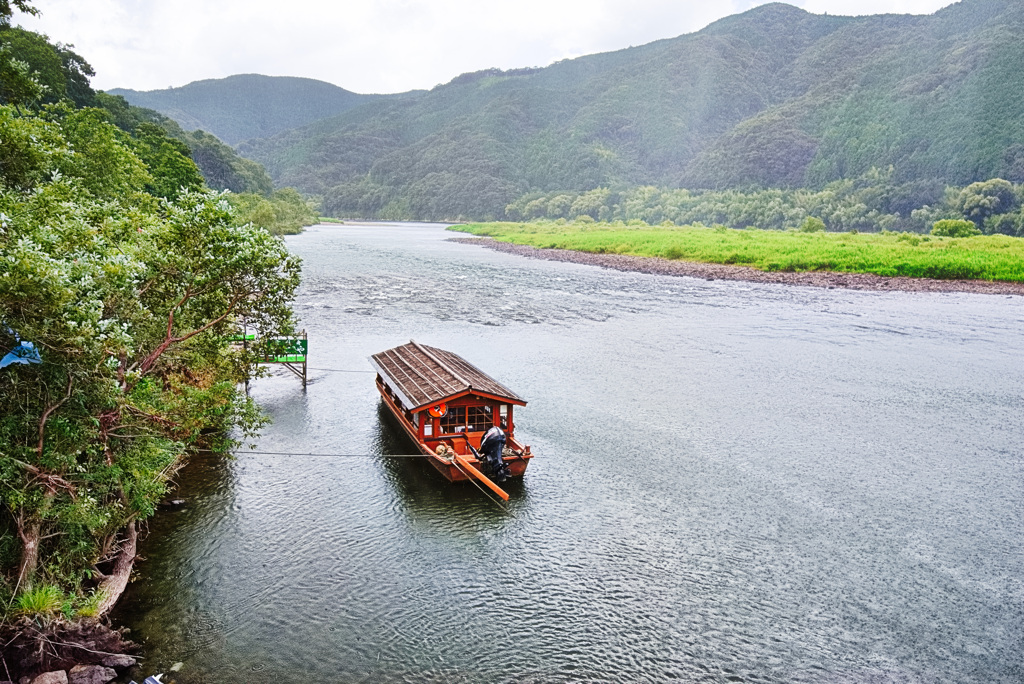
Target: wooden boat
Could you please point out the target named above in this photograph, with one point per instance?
(439, 398)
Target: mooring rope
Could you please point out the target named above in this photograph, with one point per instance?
(290, 453)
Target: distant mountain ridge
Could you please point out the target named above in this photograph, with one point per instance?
(772, 97)
(246, 106)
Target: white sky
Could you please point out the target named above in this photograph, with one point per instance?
(373, 46)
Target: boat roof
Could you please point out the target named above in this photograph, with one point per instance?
(422, 375)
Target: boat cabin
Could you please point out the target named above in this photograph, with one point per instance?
(440, 398)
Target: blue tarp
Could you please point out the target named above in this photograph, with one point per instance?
(25, 353)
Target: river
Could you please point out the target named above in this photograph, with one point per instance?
(733, 483)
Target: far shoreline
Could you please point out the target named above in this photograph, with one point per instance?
(705, 271)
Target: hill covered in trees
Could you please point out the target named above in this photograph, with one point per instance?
(775, 97)
(247, 106)
(40, 72)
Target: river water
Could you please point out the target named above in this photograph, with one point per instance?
(733, 483)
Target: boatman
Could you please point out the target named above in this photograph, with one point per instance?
(491, 446)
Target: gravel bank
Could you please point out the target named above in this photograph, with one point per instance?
(692, 269)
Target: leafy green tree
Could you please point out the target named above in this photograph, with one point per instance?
(128, 302)
(41, 57)
(7, 8)
(169, 162)
(1005, 224)
(18, 84)
(978, 201)
(285, 212)
(102, 161)
(955, 228)
(812, 224)
(77, 73)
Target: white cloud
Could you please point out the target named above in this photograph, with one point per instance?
(372, 45)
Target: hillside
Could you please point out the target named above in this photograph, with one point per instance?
(247, 106)
(773, 97)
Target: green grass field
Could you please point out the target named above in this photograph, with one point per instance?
(989, 257)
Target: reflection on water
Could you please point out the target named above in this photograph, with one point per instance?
(734, 482)
(426, 493)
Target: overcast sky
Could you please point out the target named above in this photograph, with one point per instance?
(373, 46)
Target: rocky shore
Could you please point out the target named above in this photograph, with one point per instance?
(692, 269)
(84, 652)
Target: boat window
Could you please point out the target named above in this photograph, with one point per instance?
(428, 428)
(503, 412)
(479, 418)
(455, 418)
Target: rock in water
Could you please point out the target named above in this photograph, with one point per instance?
(91, 674)
(119, 662)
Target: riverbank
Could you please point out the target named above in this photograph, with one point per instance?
(693, 269)
(82, 651)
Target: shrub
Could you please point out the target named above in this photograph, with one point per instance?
(812, 224)
(954, 228)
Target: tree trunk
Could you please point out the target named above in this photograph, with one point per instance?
(29, 534)
(116, 582)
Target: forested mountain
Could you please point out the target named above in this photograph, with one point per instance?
(247, 106)
(774, 97)
(36, 72)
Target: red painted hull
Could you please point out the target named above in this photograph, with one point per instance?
(516, 464)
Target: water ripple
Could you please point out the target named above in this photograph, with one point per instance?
(735, 483)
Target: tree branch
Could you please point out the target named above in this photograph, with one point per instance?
(48, 412)
(52, 481)
(148, 362)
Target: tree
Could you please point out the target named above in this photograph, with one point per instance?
(7, 8)
(170, 162)
(812, 224)
(955, 228)
(980, 200)
(129, 302)
(77, 73)
(18, 84)
(42, 58)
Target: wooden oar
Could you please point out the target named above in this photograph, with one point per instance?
(471, 470)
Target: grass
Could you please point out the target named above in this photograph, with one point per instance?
(988, 257)
(45, 600)
(48, 602)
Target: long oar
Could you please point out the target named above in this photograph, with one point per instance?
(471, 470)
